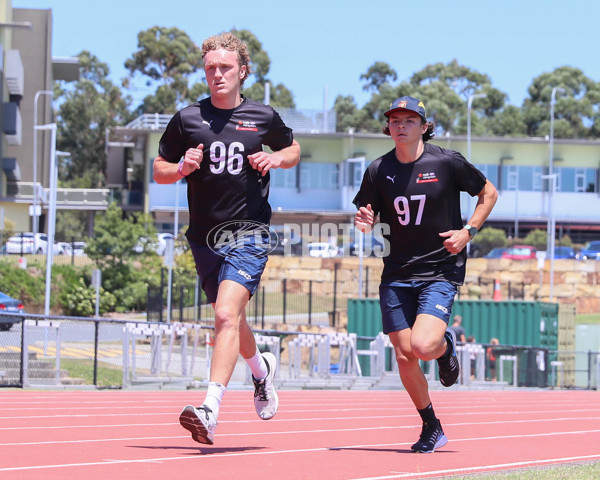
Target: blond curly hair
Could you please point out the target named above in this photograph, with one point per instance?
(229, 41)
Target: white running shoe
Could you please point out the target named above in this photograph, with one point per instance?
(265, 396)
(201, 422)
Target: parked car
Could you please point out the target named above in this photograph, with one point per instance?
(564, 252)
(64, 248)
(497, 252)
(28, 243)
(520, 252)
(79, 248)
(9, 305)
(590, 251)
(322, 249)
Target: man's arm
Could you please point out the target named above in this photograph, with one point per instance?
(167, 172)
(456, 240)
(284, 158)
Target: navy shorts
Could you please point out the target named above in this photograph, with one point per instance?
(401, 302)
(243, 263)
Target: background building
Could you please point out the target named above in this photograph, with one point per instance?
(27, 77)
(321, 188)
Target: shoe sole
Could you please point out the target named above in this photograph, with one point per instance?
(443, 440)
(192, 423)
(272, 362)
(453, 336)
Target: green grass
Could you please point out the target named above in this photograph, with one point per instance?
(108, 375)
(588, 319)
(590, 471)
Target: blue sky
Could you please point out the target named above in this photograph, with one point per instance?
(324, 46)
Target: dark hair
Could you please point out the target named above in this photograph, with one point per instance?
(428, 135)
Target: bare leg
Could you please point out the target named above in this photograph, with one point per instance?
(425, 341)
(231, 330)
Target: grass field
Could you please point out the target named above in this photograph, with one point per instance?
(107, 376)
(590, 471)
(588, 319)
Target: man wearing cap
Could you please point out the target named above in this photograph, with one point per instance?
(414, 189)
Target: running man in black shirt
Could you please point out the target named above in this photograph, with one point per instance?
(221, 142)
(415, 190)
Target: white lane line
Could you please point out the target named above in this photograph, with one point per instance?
(274, 452)
(315, 419)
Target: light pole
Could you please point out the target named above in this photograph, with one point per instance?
(469, 103)
(551, 230)
(35, 186)
(551, 233)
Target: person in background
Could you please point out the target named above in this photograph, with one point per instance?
(221, 142)
(458, 329)
(491, 357)
(415, 189)
(472, 354)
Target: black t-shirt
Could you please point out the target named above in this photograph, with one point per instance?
(418, 201)
(225, 188)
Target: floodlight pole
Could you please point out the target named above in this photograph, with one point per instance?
(51, 211)
(551, 229)
(35, 185)
(469, 103)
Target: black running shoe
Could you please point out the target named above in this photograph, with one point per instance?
(449, 365)
(432, 437)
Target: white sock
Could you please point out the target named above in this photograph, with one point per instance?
(214, 396)
(257, 365)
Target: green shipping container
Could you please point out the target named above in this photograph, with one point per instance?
(531, 324)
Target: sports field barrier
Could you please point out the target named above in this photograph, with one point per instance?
(70, 352)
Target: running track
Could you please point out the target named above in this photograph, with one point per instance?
(316, 435)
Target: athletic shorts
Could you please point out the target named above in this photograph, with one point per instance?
(401, 302)
(242, 263)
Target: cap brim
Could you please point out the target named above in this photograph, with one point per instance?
(389, 112)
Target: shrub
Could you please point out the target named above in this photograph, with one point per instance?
(536, 238)
(489, 238)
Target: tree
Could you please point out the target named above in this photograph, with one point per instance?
(489, 238)
(378, 74)
(169, 57)
(348, 115)
(85, 110)
(445, 88)
(113, 249)
(537, 238)
(280, 95)
(576, 110)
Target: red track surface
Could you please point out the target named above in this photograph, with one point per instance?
(315, 435)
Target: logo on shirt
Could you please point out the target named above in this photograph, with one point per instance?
(208, 123)
(391, 178)
(247, 125)
(427, 177)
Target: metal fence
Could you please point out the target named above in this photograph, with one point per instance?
(104, 353)
(275, 302)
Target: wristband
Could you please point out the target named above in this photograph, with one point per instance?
(179, 169)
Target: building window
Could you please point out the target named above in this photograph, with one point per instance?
(284, 177)
(315, 175)
(490, 172)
